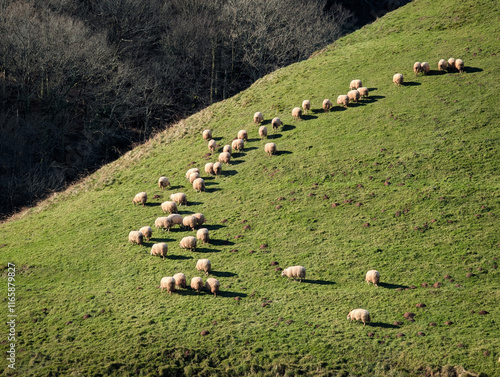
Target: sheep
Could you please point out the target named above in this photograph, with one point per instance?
(194, 176)
(459, 65)
(204, 265)
(327, 104)
(169, 206)
(211, 146)
(258, 117)
(373, 276)
(353, 95)
(425, 68)
(238, 144)
(397, 79)
(188, 243)
(164, 223)
(197, 283)
(451, 64)
(190, 222)
(163, 182)
(355, 84)
(199, 218)
(417, 68)
(270, 149)
(294, 272)
(202, 235)
(227, 148)
(442, 65)
(199, 185)
(135, 237)
(146, 232)
(212, 285)
(175, 219)
(191, 171)
(263, 132)
(243, 135)
(359, 315)
(343, 100)
(363, 91)
(306, 105)
(225, 157)
(207, 134)
(167, 283)
(209, 168)
(141, 197)
(180, 280)
(160, 249)
(297, 113)
(179, 197)
(217, 168)
(276, 122)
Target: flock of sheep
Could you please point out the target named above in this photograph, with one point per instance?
(171, 283)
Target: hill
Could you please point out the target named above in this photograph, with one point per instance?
(405, 182)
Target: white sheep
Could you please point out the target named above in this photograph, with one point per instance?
(277, 123)
(194, 176)
(459, 65)
(353, 95)
(451, 64)
(179, 197)
(343, 100)
(160, 249)
(363, 91)
(243, 135)
(294, 272)
(225, 157)
(199, 185)
(258, 117)
(417, 68)
(141, 197)
(204, 265)
(442, 65)
(190, 222)
(191, 171)
(238, 144)
(147, 232)
(207, 134)
(175, 219)
(359, 315)
(168, 283)
(297, 113)
(136, 237)
(227, 148)
(263, 132)
(355, 84)
(199, 218)
(212, 145)
(164, 223)
(212, 285)
(398, 79)
(426, 68)
(306, 105)
(202, 235)
(327, 104)
(209, 168)
(163, 182)
(270, 149)
(180, 280)
(188, 243)
(169, 206)
(197, 284)
(217, 168)
(373, 276)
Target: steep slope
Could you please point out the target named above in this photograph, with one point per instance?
(413, 169)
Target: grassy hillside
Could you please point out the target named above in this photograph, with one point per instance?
(88, 302)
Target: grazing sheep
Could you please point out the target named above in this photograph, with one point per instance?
(194, 176)
(306, 105)
(167, 283)
(169, 206)
(202, 235)
(397, 79)
(270, 149)
(355, 84)
(147, 232)
(212, 285)
(199, 218)
(297, 113)
(190, 222)
(209, 168)
(373, 276)
(262, 132)
(175, 219)
(204, 265)
(135, 237)
(343, 100)
(442, 65)
(212, 145)
(243, 135)
(217, 168)
(276, 122)
(294, 272)
(207, 134)
(141, 197)
(451, 64)
(258, 117)
(238, 144)
(459, 65)
(199, 184)
(180, 280)
(417, 68)
(353, 95)
(188, 243)
(425, 68)
(160, 249)
(327, 104)
(179, 197)
(359, 315)
(225, 157)
(191, 171)
(197, 284)
(163, 182)
(363, 91)
(164, 223)
(227, 148)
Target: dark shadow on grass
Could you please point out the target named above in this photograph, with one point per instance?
(274, 136)
(372, 99)
(250, 140)
(236, 162)
(251, 148)
(176, 188)
(279, 153)
(411, 83)
(190, 203)
(161, 239)
(433, 72)
(178, 257)
(211, 182)
(186, 292)
(372, 89)
(149, 204)
(266, 121)
(207, 250)
(338, 108)
(309, 117)
(223, 274)
(383, 325)
(220, 242)
(392, 286)
(217, 138)
(287, 127)
(319, 282)
(214, 189)
(317, 111)
(472, 69)
(356, 104)
(231, 294)
(229, 173)
(237, 155)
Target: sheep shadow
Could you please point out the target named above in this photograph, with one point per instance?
(433, 72)
(149, 204)
(472, 69)
(213, 189)
(159, 239)
(251, 148)
(229, 173)
(392, 286)
(251, 140)
(372, 89)
(223, 274)
(176, 187)
(288, 127)
(190, 203)
(356, 104)
(231, 294)
(411, 83)
(319, 282)
(186, 292)
(274, 136)
(308, 117)
(266, 121)
(338, 108)
(221, 242)
(382, 325)
(237, 154)
(178, 257)
(217, 138)
(232, 162)
(279, 153)
(211, 182)
(206, 250)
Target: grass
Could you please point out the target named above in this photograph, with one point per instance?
(434, 139)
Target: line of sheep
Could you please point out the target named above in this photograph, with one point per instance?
(452, 65)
